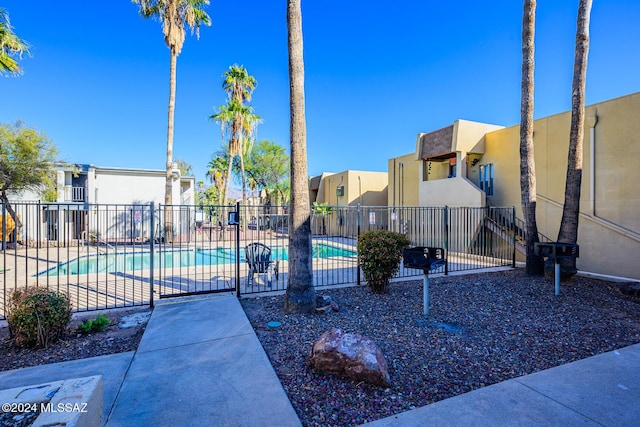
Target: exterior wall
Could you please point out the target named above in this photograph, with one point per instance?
(364, 187)
(404, 173)
(439, 189)
(609, 227)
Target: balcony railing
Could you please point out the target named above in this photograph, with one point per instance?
(74, 194)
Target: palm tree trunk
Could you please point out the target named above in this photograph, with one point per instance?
(535, 264)
(228, 180)
(168, 186)
(168, 193)
(300, 295)
(570, 213)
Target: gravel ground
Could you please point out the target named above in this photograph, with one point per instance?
(482, 329)
(75, 345)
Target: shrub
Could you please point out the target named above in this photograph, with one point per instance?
(98, 324)
(380, 254)
(38, 316)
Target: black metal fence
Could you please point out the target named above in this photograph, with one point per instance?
(112, 255)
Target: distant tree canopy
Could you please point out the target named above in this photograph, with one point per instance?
(186, 169)
(267, 168)
(26, 161)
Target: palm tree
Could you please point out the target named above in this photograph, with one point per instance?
(238, 83)
(10, 45)
(535, 264)
(570, 213)
(216, 169)
(239, 86)
(238, 122)
(300, 295)
(174, 15)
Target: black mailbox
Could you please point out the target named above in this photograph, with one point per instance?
(423, 258)
(555, 250)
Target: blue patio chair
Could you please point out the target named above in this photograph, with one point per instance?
(258, 258)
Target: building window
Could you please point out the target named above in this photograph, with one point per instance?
(486, 179)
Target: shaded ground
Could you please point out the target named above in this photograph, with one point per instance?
(482, 329)
(75, 345)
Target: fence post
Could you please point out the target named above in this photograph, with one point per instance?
(446, 239)
(513, 250)
(238, 249)
(358, 252)
(4, 226)
(151, 249)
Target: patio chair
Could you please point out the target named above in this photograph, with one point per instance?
(258, 258)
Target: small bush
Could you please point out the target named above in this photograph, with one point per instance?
(38, 316)
(380, 255)
(98, 324)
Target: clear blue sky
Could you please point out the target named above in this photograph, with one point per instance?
(377, 74)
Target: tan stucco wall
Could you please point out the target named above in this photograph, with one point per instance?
(404, 174)
(609, 234)
(365, 187)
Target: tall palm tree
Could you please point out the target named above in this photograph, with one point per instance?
(239, 86)
(570, 213)
(175, 16)
(238, 122)
(535, 264)
(238, 83)
(300, 295)
(10, 46)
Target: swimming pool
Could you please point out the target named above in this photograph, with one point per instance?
(130, 261)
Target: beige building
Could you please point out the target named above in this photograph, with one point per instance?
(473, 164)
(349, 188)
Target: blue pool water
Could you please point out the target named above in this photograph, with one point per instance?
(129, 261)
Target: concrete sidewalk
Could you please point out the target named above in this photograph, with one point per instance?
(603, 390)
(200, 363)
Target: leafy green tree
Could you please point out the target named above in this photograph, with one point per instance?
(322, 210)
(267, 167)
(571, 211)
(175, 16)
(300, 296)
(26, 162)
(535, 265)
(11, 46)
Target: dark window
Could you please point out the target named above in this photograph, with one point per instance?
(486, 179)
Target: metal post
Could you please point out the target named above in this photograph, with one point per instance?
(446, 239)
(513, 250)
(557, 266)
(358, 252)
(151, 249)
(238, 249)
(425, 292)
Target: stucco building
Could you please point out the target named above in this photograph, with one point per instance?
(349, 188)
(476, 164)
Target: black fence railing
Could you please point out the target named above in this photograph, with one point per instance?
(117, 255)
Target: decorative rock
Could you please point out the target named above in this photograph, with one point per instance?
(353, 356)
(323, 304)
(335, 306)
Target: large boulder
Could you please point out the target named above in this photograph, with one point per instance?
(353, 356)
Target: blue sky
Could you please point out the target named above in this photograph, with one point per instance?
(377, 74)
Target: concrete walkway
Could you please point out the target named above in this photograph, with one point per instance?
(200, 363)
